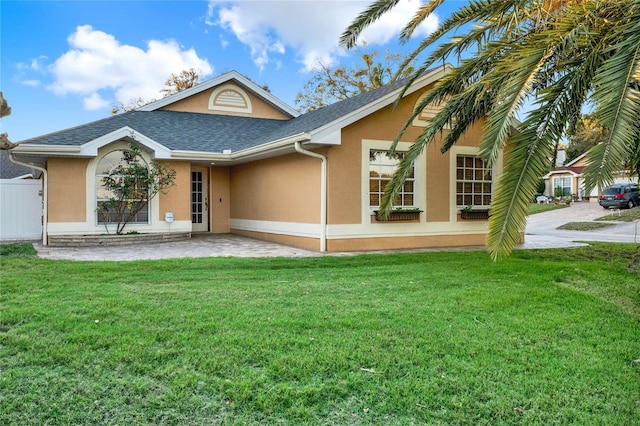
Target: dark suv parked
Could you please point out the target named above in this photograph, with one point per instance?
(621, 195)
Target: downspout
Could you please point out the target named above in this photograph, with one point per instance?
(45, 191)
(323, 193)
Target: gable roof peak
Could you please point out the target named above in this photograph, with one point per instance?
(217, 81)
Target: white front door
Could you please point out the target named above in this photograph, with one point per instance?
(199, 200)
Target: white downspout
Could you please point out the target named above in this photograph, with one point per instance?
(45, 191)
(323, 193)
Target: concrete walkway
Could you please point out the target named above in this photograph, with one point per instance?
(541, 232)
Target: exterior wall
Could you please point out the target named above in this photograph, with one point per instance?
(306, 243)
(277, 199)
(200, 103)
(351, 226)
(72, 197)
(67, 189)
(406, 242)
(345, 163)
(176, 199)
(220, 202)
(283, 189)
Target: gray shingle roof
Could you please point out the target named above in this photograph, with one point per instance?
(209, 132)
(175, 130)
(9, 170)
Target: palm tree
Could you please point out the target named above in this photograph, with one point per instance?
(560, 55)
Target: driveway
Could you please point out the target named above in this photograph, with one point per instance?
(542, 226)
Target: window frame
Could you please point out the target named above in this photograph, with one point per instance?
(561, 179)
(473, 182)
(420, 179)
(99, 190)
(382, 179)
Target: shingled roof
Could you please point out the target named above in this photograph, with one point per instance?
(201, 132)
(10, 170)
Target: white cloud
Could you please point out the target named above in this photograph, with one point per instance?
(311, 29)
(31, 82)
(97, 61)
(94, 101)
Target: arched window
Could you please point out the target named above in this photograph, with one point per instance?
(104, 170)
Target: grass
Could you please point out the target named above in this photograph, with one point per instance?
(583, 226)
(544, 337)
(541, 208)
(625, 215)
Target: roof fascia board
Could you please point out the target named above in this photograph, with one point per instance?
(271, 146)
(38, 149)
(575, 160)
(259, 151)
(90, 149)
(323, 133)
(224, 78)
(561, 172)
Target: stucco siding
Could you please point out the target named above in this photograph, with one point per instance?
(346, 166)
(176, 198)
(405, 242)
(290, 240)
(200, 103)
(220, 203)
(67, 189)
(285, 189)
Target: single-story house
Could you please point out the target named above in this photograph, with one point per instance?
(249, 164)
(570, 179)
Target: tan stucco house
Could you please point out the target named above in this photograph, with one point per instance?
(249, 164)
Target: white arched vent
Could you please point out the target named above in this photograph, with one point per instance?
(230, 98)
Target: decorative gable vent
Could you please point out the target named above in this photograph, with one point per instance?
(230, 98)
(427, 114)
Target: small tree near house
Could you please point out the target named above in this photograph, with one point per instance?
(130, 186)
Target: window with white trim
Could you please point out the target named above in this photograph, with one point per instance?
(474, 181)
(105, 166)
(382, 166)
(564, 183)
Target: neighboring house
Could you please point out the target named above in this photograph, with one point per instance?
(570, 179)
(248, 164)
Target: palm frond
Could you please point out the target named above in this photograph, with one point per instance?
(618, 101)
(378, 8)
(524, 163)
(421, 15)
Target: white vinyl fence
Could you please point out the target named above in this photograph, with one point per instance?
(20, 209)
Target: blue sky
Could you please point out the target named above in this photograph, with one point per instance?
(64, 63)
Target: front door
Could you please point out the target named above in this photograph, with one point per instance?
(199, 201)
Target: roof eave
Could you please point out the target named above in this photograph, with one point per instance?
(321, 133)
(266, 150)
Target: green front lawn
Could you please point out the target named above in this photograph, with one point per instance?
(545, 337)
(583, 226)
(623, 215)
(541, 208)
